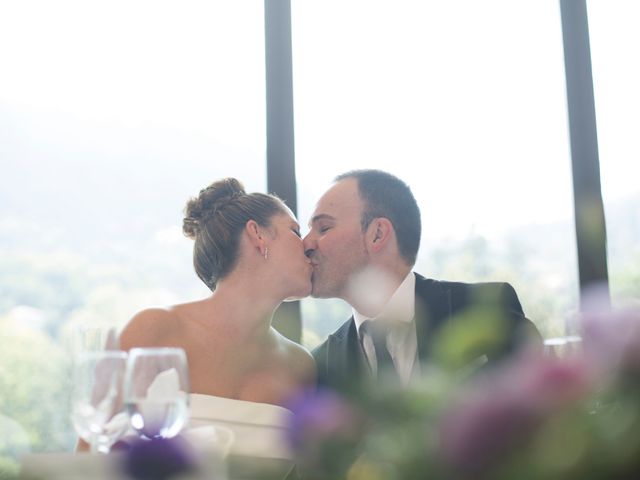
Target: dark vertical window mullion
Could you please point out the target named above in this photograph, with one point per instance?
(589, 209)
(281, 173)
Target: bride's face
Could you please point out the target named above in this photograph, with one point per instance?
(292, 269)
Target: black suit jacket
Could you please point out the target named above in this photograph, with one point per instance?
(341, 361)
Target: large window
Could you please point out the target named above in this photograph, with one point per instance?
(466, 102)
(615, 40)
(111, 116)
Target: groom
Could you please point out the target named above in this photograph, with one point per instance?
(363, 241)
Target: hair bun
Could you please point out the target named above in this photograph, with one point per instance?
(210, 199)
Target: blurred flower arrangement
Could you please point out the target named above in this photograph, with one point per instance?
(157, 459)
(537, 417)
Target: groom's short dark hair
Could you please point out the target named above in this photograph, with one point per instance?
(385, 195)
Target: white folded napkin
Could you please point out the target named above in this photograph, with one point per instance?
(210, 438)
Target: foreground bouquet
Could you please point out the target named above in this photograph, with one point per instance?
(537, 417)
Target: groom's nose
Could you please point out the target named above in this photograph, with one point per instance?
(309, 245)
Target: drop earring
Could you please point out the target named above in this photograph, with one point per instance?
(266, 253)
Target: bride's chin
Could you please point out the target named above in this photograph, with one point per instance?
(299, 295)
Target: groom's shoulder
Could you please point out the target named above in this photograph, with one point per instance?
(438, 285)
(340, 334)
(466, 289)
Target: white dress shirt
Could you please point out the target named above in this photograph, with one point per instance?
(402, 341)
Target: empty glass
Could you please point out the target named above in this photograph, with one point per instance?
(563, 347)
(157, 391)
(93, 338)
(97, 409)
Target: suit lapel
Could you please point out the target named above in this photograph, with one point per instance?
(346, 354)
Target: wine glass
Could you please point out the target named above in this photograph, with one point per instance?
(563, 347)
(97, 409)
(93, 338)
(157, 391)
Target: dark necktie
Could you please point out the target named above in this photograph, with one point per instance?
(378, 333)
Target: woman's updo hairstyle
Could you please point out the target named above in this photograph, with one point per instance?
(215, 219)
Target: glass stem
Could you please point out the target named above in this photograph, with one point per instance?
(94, 443)
(100, 444)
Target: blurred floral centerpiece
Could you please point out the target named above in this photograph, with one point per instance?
(537, 417)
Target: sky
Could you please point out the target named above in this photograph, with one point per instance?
(464, 100)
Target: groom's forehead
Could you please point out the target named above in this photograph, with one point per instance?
(342, 194)
(341, 200)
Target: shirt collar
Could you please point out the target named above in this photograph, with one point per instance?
(400, 307)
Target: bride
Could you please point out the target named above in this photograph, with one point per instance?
(248, 251)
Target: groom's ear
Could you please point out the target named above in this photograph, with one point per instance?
(378, 234)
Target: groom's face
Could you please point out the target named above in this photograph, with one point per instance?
(335, 243)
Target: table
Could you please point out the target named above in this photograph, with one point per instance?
(83, 466)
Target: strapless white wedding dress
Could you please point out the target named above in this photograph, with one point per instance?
(251, 436)
(259, 429)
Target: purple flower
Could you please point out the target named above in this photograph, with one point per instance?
(552, 384)
(501, 413)
(159, 458)
(325, 433)
(319, 415)
(611, 337)
(476, 435)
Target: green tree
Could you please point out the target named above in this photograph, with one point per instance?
(34, 386)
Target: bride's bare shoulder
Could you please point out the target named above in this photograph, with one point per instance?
(300, 361)
(148, 327)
